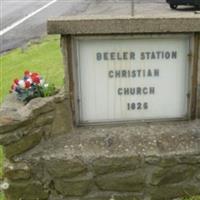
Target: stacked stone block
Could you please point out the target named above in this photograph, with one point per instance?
(130, 162)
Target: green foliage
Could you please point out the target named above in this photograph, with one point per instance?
(50, 90)
(193, 198)
(44, 57)
(37, 91)
(1, 196)
(1, 165)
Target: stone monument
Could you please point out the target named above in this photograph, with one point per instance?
(126, 126)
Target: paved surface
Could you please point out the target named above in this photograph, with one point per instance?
(34, 27)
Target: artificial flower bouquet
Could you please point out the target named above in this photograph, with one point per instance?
(32, 85)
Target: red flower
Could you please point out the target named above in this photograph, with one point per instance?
(13, 87)
(34, 74)
(26, 73)
(27, 84)
(35, 79)
(16, 81)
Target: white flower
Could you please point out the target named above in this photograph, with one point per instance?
(30, 80)
(42, 82)
(21, 84)
(112, 198)
(46, 85)
(4, 186)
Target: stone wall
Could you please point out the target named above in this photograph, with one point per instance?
(24, 126)
(129, 162)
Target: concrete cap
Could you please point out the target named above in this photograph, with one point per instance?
(87, 25)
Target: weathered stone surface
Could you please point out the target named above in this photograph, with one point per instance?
(61, 96)
(187, 159)
(164, 161)
(24, 144)
(114, 196)
(161, 160)
(169, 160)
(176, 174)
(65, 168)
(198, 100)
(16, 171)
(26, 190)
(168, 141)
(152, 160)
(171, 191)
(74, 187)
(47, 130)
(103, 165)
(198, 85)
(8, 138)
(60, 197)
(125, 182)
(38, 172)
(198, 177)
(63, 118)
(16, 134)
(39, 106)
(38, 112)
(8, 124)
(123, 24)
(10, 115)
(44, 119)
(124, 159)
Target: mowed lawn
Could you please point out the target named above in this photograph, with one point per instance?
(43, 57)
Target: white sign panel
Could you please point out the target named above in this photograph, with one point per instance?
(132, 78)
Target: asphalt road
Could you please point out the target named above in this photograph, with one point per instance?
(24, 20)
(34, 27)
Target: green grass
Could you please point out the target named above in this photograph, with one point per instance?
(1, 163)
(1, 197)
(193, 198)
(44, 57)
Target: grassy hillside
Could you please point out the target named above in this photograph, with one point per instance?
(42, 57)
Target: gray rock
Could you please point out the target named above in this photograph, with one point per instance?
(16, 171)
(39, 106)
(104, 165)
(176, 174)
(44, 119)
(16, 134)
(27, 190)
(24, 144)
(58, 168)
(171, 191)
(74, 187)
(62, 123)
(114, 196)
(124, 182)
(152, 161)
